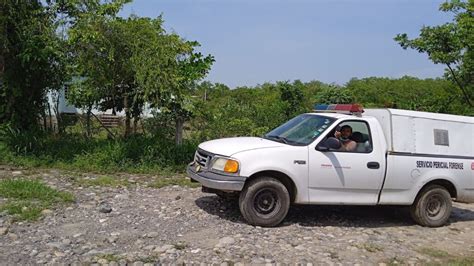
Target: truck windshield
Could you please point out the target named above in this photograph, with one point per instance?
(301, 130)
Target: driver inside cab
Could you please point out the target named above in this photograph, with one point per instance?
(344, 137)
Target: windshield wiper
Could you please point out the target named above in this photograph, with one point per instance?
(282, 139)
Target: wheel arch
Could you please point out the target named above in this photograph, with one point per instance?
(282, 177)
(448, 185)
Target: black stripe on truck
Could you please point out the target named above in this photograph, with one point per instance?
(397, 153)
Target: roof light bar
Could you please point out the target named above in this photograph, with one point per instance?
(339, 108)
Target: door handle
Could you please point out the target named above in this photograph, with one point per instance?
(373, 165)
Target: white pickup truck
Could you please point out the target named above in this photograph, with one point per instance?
(389, 157)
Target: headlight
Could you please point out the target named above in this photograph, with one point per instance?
(226, 165)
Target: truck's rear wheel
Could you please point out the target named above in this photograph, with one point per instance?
(264, 201)
(432, 206)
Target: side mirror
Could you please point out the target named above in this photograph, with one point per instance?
(329, 144)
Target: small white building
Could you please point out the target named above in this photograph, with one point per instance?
(64, 107)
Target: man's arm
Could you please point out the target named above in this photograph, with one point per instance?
(351, 146)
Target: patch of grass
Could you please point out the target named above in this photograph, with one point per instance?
(447, 258)
(109, 257)
(229, 262)
(370, 247)
(435, 253)
(23, 210)
(180, 245)
(454, 229)
(395, 261)
(461, 261)
(26, 199)
(111, 181)
(103, 181)
(25, 189)
(180, 181)
(150, 259)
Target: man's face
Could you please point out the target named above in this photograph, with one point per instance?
(346, 132)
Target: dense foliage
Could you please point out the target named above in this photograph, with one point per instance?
(138, 63)
(31, 62)
(221, 111)
(127, 64)
(147, 154)
(105, 61)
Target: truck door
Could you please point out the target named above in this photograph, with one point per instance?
(348, 177)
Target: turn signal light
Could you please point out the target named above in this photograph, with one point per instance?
(231, 166)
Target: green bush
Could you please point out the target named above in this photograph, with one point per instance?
(22, 142)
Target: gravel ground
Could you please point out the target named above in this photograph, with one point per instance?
(183, 225)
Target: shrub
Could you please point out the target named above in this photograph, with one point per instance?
(22, 142)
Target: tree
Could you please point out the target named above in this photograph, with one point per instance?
(331, 94)
(430, 95)
(100, 51)
(192, 67)
(450, 44)
(292, 95)
(122, 64)
(167, 69)
(31, 61)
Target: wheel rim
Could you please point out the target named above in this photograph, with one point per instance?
(266, 202)
(435, 207)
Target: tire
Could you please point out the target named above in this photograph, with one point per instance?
(432, 206)
(264, 202)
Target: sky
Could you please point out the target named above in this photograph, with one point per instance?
(332, 41)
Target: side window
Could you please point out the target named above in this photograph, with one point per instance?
(354, 136)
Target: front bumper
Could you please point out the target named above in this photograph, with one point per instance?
(216, 181)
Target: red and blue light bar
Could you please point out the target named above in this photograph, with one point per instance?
(339, 108)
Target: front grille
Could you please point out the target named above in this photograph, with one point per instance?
(202, 158)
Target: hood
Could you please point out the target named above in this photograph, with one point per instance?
(230, 146)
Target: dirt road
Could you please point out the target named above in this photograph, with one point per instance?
(183, 225)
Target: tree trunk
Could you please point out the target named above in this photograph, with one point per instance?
(143, 126)
(2, 69)
(45, 123)
(57, 114)
(461, 86)
(88, 121)
(179, 130)
(135, 125)
(50, 117)
(127, 116)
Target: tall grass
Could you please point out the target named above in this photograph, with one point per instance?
(138, 153)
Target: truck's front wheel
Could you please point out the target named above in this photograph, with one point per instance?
(432, 206)
(264, 201)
